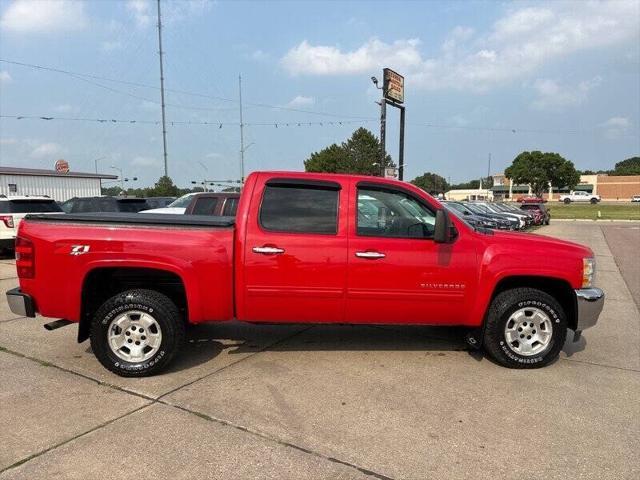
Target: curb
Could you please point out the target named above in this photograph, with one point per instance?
(591, 220)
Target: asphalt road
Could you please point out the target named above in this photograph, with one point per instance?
(320, 402)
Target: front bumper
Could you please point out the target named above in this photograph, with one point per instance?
(590, 302)
(21, 303)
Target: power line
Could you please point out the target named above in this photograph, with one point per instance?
(217, 124)
(78, 75)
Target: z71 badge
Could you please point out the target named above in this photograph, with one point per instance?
(79, 249)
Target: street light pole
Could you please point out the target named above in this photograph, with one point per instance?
(121, 177)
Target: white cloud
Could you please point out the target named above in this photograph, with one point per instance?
(47, 150)
(111, 46)
(5, 77)
(555, 97)
(327, 60)
(519, 43)
(616, 127)
(145, 162)
(301, 101)
(44, 16)
(141, 12)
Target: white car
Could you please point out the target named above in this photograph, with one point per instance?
(635, 198)
(13, 210)
(177, 206)
(580, 197)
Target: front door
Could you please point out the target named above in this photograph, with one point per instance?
(295, 253)
(397, 273)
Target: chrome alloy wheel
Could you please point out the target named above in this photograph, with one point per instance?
(134, 336)
(528, 331)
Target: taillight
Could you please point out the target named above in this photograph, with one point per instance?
(8, 220)
(25, 258)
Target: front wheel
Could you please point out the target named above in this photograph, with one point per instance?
(525, 328)
(594, 201)
(567, 201)
(137, 333)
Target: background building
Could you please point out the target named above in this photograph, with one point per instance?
(57, 185)
(609, 187)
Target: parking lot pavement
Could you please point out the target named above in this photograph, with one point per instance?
(329, 402)
(624, 242)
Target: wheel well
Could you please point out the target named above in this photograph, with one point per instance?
(103, 283)
(557, 288)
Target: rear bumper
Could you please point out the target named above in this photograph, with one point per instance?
(590, 302)
(21, 303)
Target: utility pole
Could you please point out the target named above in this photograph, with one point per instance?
(383, 133)
(241, 133)
(164, 126)
(488, 172)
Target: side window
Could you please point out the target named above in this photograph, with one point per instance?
(300, 208)
(82, 205)
(205, 206)
(230, 207)
(389, 213)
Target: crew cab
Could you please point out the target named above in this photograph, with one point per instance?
(579, 196)
(303, 248)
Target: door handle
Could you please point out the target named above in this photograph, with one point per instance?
(370, 255)
(268, 250)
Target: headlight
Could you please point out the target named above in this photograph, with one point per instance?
(588, 272)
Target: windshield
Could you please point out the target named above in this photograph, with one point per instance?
(182, 202)
(30, 206)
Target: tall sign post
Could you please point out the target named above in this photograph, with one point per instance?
(392, 94)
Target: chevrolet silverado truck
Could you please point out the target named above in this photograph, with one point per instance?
(579, 196)
(303, 248)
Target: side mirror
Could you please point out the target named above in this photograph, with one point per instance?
(442, 232)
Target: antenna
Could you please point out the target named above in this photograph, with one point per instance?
(241, 133)
(164, 126)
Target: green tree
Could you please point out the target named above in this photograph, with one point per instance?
(538, 169)
(360, 154)
(431, 182)
(164, 187)
(630, 166)
(111, 191)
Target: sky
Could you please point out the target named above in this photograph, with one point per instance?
(481, 79)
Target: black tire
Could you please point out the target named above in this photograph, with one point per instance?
(164, 312)
(593, 201)
(501, 309)
(567, 201)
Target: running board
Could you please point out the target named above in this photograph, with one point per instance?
(57, 324)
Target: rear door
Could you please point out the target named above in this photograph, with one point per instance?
(295, 252)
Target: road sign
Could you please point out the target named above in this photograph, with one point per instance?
(393, 86)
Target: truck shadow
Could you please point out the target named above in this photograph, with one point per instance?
(207, 341)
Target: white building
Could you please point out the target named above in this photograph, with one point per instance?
(57, 185)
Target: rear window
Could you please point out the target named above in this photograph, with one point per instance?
(230, 207)
(205, 206)
(300, 208)
(30, 206)
(132, 206)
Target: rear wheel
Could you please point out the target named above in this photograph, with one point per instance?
(526, 328)
(137, 333)
(593, 201)
(567, 201)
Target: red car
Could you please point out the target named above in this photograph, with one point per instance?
(542, 215)
(303, 248)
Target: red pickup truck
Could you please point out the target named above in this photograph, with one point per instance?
(303, 248)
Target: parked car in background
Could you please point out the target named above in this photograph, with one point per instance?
(509, 209)
(580, 197)
(513, 222)
(13, 210)
(178, 206)
(159, 202)
(104, 204)
(217, 204)
(463, 212)
(635, 198)
(528, 199)
(490, 208)
(539, 209)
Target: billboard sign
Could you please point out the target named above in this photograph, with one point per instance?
(393, 86)
(62, 166)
